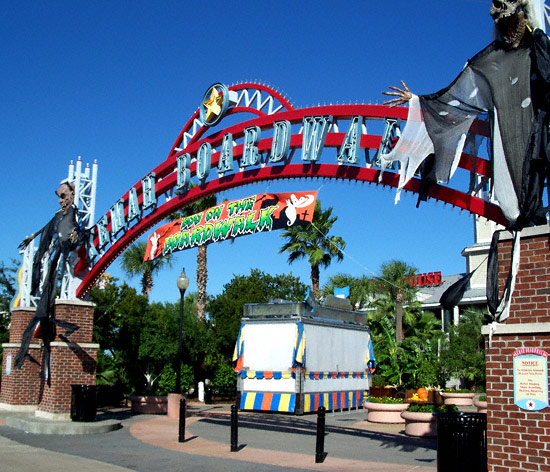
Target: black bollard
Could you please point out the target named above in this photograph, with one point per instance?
(320, 443)
(183, 411)
(234, 429)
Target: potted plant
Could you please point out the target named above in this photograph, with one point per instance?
(481, 403)
(460, 396)
(427, 394)
(385, 409)
(421, 421)
(156, 400)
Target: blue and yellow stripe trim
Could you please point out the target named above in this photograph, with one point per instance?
(283, 402)
(333, 400)
(335, 375)
(286, 402)
(271, 374)
(265, 374)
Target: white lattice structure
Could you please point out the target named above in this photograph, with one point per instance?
(85, 186)
(25, 276)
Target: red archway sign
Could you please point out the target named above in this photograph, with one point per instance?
(266, 138)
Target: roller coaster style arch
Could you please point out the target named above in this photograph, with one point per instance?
(264, 145)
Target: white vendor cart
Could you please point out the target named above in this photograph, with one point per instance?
(293, 357)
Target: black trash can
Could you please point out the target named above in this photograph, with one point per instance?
(461, 442)
(83, 402)
(208, 394)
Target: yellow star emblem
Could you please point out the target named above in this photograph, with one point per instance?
(213, 104)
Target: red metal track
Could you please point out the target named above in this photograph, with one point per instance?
(165, 170)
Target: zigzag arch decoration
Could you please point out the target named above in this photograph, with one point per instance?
(262, 136)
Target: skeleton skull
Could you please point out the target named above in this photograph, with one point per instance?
(65, 192)
(510, 19)
(505, 8)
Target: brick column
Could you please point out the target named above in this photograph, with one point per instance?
(73, 359)
(519, 439)
(20, 389)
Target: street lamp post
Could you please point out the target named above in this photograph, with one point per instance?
(182, 283)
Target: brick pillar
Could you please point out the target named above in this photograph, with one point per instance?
(20, 389)
(73, 359)
(519, 439)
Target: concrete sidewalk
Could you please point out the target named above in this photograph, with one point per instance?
(268, 442)
(22, 458)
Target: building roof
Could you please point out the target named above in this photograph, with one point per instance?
(429, 295)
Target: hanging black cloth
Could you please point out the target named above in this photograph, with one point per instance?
(510, 90)
(58, 236)
(452, 296)
(491, 288)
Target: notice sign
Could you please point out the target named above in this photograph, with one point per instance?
(8, 364)
(531, 378)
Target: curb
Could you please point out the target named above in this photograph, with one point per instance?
(40, 426)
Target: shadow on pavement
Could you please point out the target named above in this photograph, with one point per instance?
(299, 426)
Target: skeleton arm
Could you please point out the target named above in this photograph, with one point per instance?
(23, 244)
(403, 95)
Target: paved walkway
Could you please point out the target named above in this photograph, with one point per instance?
(268, 442)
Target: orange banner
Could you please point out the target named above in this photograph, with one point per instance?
(228, 220)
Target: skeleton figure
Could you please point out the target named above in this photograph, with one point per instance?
(506, 84)
(510, 20)
(59, 239)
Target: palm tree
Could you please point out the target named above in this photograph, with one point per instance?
(361, 288)
(313, 242)
(394, 281)
(202, 268)
(133, 264)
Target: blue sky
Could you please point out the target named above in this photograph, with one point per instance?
(116, 81)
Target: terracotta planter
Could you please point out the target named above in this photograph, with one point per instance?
(420, 424)
(456, 398)
(480, 405)
(385, 412)
(173, 405)
(150, 405)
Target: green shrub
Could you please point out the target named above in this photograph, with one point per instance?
(431, 408)
(167, 382)
(457, 390)
(463, 353)
(482, 398)
(378, 380)
(385, 400)
(224, 377)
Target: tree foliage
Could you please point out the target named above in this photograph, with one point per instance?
(202, 267)
(138, 340)
(8, 288)
(133, 264)
(226, 309)
(395, 292)
(463, 353)
(411, 358)
(362, 289)
(312, 242)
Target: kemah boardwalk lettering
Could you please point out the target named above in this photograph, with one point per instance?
(273, 141)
